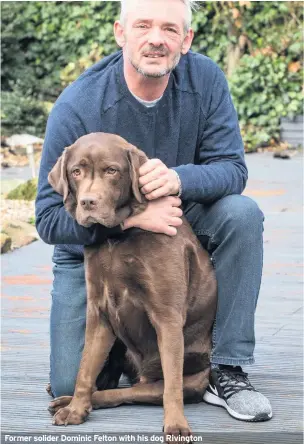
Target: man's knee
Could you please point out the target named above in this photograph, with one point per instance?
(243, 213)
(63, 384)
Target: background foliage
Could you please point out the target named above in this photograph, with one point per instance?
(46, 45)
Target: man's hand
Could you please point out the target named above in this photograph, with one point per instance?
(160, 216)
(156, 180)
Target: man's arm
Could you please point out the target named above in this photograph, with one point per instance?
(54, 224)
(222, 169)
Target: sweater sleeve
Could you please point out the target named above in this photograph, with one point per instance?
(53, 223)
(221, 168)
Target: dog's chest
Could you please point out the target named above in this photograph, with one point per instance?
(125, 293)
(128, 317)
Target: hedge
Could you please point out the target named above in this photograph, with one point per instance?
(46, 45)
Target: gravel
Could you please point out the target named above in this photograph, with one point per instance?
(16, 210)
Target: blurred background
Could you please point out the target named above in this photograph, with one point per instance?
(47, 45)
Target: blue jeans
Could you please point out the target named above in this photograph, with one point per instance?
(232, 231)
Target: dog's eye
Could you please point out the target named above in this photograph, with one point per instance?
(76, 172)
(111, 170)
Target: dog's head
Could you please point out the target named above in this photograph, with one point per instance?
(98, 179)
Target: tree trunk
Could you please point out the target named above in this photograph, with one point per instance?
(235, 51)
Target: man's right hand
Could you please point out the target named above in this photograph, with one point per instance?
(162, 215)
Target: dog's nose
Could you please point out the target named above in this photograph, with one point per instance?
(88, 203)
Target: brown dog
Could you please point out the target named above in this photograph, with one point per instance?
(154, 292)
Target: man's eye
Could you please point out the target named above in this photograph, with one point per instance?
(76, 172)
(142, 26)
(171, 30)
(111, 170)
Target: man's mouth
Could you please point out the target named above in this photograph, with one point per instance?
(154, 55)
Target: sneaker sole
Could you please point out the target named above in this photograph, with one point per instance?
(209, 398)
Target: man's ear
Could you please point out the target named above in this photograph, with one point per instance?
(136, 159)
(119, 34)
(59, 181)
(187, 41)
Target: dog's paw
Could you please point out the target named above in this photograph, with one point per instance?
(70, 415)
(58, 403)
(176, 428)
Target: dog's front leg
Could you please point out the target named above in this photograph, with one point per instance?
(99, 339)
(169, 329)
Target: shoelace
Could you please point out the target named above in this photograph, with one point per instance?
(233, 381)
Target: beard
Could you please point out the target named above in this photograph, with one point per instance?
(158, 74)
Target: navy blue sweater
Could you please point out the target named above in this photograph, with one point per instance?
(193, 129)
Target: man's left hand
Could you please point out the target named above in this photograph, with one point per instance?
(157, 180)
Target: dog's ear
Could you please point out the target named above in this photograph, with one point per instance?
(59, 181)
(136, 158)
(58, 177)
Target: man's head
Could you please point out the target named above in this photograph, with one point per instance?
(154, 34)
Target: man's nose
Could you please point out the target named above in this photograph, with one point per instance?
(156, 37)
(88, 202)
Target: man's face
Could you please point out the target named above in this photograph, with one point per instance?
(153, 35)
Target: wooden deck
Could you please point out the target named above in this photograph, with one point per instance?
(278, 372)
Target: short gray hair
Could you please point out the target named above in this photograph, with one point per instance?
(190, 5)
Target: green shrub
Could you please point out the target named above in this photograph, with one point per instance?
(264, 89)
(22, 114)
(39, 40)
(32, 220)
(25, 191)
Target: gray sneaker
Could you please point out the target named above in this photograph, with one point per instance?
(230, 388)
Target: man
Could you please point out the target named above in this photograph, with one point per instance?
(174, 105)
